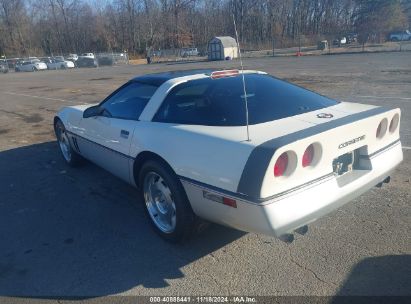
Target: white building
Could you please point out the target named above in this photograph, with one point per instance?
(222, 47)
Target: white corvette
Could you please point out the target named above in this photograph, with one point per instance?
(181, 137)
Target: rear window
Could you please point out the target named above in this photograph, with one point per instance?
(221, 102)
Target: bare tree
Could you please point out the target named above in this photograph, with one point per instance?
(62, 26)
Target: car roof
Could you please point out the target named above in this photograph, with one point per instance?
(158, 79)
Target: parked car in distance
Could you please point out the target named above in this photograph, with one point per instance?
(4, 67)
(105, 60)
(56, 64)
(46, 60)
(400, 36)
(340, 41)
(30, 66)
(352, 38)
(87, 55)
(59, 57)
(12, 62)
(72, 57)
(86, 62)
(187, 52)
(182, 139)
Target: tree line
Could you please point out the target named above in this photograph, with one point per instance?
(37, 27)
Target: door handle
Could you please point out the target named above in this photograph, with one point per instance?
(124, 133)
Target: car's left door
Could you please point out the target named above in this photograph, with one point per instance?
(107, 137)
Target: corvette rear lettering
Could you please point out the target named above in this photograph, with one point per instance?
(350, 142)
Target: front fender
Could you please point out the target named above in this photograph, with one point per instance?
(72, 116)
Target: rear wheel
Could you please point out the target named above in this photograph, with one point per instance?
(166, 202)
(69, 155)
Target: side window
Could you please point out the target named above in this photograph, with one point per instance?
(187, 103)
(129, 101)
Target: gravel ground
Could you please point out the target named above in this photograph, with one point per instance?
(82, 233)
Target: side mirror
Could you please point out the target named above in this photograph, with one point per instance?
(92, 112)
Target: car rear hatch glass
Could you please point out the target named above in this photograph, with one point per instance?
(221, 102)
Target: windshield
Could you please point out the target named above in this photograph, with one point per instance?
(221, 102)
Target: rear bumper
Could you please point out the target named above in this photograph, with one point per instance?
(283, 214)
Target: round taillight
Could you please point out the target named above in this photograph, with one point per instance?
(378, 130)
(281, 165)
(308, 156)
(394, 123)
(382, 128)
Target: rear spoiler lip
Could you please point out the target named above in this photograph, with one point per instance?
(256, 166)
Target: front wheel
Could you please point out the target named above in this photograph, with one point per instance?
(166, 202)
(69, 155)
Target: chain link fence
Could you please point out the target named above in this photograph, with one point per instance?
(112, 58)
(306, 48)
(177, 54)
(325, 47)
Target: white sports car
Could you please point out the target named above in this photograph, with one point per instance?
(267, 156)
(30, 66)
(56, 64)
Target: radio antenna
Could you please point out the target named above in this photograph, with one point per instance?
(242, 73)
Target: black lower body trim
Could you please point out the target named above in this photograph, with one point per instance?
(253, 200)
(93, 142)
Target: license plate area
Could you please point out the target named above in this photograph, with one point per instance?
(345, 163)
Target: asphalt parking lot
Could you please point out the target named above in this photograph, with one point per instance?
(82, 232)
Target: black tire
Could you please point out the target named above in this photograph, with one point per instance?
(63, 67)
(186, 221)
(74, 159)
(34, 69)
